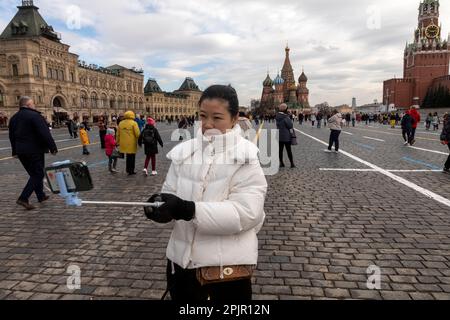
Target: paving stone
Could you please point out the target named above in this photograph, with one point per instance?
(322, 230)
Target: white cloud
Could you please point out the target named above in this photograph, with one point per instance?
(237, 41)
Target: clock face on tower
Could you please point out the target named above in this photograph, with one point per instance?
(432, 32)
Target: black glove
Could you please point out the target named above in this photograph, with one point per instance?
(173, 208)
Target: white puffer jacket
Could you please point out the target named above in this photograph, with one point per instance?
(224, 178)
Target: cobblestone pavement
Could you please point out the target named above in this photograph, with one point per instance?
(324, 226)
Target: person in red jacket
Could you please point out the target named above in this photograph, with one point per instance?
(416, 120)
(110, 146)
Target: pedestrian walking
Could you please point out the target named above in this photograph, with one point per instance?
(84, 138)
(150, 138)
(213, 248)
(416, 120)
(436, 121)
(70, 127)
(102, 128)
(110, 150)
(392, 120)
(30, 139)
(319, 120)
(407, 122)
(75, 128)
(445, 140)
(285, 127)
(301, 117)
(348, 118)
(335, 125)
(127, 139)
(428, 121)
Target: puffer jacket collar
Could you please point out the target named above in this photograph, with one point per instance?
(232, 144)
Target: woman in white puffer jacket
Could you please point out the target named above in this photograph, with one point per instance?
(215, 190)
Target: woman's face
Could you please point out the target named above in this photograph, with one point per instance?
(215, 117)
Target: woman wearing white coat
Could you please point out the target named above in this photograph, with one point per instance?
(215, 190)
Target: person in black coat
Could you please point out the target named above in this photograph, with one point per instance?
(150, 138)
(407, 123)
(30, 139)
(445, 140)
(285, 127)
(70, 126)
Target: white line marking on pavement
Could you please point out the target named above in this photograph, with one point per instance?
(347, 133)
(66, 140)
(374, 139)
(395, 134)
(347, 170)
(394, 177)
(428, 150)
(414, 170)
(373, 170)
(59, 150)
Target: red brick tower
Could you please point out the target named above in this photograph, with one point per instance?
(428, 57)
(302, 91)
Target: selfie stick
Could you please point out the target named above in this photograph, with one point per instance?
(73, 200)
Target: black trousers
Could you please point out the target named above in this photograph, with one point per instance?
(288, 146)
(334, 139)
(447, 164)
(102, 138)
(406, 133)
(34, 164)
(413, 134)
(131, 163)
(184, 286)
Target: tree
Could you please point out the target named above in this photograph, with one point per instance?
(437, 98)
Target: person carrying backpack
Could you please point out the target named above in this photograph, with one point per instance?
(150, 138)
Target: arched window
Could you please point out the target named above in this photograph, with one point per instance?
(104, 101)
(84, 99)
(120, 100)
(94, 100)
(112, 102)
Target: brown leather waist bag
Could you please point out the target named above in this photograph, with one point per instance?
(211, 275)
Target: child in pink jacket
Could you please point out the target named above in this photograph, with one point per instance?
(110, 146)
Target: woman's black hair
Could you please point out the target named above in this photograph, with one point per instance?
(226, 93)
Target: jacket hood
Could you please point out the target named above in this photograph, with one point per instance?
(281, 116)
(129, 115)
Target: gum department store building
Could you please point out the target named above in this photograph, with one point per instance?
(34, 62)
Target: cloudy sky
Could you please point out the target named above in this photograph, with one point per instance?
(347, 47)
